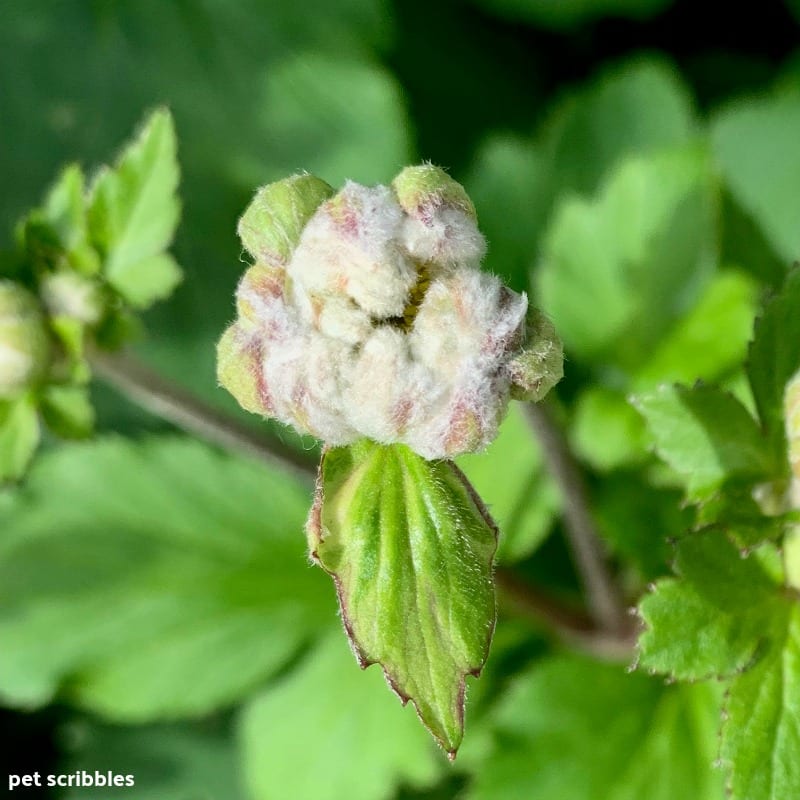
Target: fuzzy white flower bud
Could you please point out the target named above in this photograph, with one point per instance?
(69, 294)
(372, 319)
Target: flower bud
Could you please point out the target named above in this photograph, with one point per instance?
(271, 225)
(791, 410)
(24, 341)
(441, 224)
(374, 321)
(68, 294)
(539, 365)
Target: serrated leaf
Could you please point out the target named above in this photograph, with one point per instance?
(410, 548)
(755, 143)
(151, 580)
(709, 621)
(520, 494)
(706, 435)
(133, 212)
(774, 357)
(19, 436)
(68, 411)
(353, 714)
(583, 730)
(639, 252)
(761, 728)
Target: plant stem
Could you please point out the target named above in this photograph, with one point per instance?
(148, 389)
(605, 600)
(151, 391)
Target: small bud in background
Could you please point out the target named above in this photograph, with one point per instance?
(791, 409)
(68, 294)
(271, 226)
(24, 340)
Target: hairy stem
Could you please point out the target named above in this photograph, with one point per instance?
(606, 605)
(148, 389)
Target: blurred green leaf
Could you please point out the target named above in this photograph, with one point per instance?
(68, 411)
(756, 145)
(706, 435)
(618, 271)
(133, 213)
(579, 729)
(567, 14)
(176, 762)
(774, 358)
(329, 731)
(635, 108)
(606, 431)
(152, 580)
(709, 340)
(511, 479)
(411, 550)
(19, 436)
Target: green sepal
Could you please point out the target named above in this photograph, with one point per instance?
(410, 547)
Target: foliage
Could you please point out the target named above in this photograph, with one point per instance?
(155, 593)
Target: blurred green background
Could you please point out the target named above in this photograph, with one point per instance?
(564, 120)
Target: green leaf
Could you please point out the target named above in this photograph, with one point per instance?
(710, 621)
(68, 411)
(19, 436)
(755, 143)
(175, 762)
(706, 435)
(633, 109)
(606, 431)
(761, 728)
(583, 730)
(133, 213)
(410, 548)
(639, 252)
(774, 357)
(567, 14)
(152, 580)
(518, 491)
(709, 340)
(363, 743)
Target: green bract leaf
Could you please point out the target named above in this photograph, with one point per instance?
(133, 212)
(410, 548)
(367, 743)
(151, 580)
(524, 498)
(19, 436)
(774, 358)
(578, 729)
(637, 252)
(756, 145)
(706, 435)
